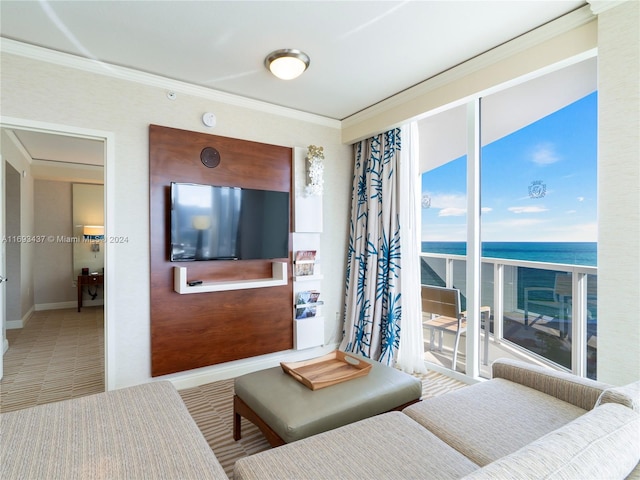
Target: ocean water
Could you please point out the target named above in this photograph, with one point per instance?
(571, 253)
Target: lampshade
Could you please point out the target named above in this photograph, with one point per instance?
(287, 64)
(201, 222)
(93, 231)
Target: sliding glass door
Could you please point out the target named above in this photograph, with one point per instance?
(537, 204)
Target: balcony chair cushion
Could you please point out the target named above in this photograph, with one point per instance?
(492, 419)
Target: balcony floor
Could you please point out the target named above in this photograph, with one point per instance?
(540, 327)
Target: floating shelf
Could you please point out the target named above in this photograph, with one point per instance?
(180, 285)
(307, 278)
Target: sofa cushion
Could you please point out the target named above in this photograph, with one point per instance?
(133, 433)
(603, 443)
(489, 420)
(389, 446)
(627, 395)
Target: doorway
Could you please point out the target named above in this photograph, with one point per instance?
(48, 171)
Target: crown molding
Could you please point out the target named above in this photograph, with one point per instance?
(18, 145)
(599, 6)
(528, 40)
(33, 52)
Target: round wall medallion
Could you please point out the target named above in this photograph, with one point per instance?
(210, 157)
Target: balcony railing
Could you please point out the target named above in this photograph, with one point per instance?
(546, 310)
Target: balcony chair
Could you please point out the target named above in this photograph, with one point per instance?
(441, 313)
(558, 298)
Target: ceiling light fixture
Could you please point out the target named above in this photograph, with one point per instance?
(287, 63)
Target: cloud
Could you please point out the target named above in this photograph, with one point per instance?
(447, 200)
(518, 210)
(448, 204)
(459, 212)
(580, 199)
(571, 212)
(544, 154)
(452, 212)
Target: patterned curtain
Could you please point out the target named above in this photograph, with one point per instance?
(372, 305)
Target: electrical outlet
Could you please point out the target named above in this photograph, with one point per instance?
(74, 284)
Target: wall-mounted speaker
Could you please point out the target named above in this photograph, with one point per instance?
(210, 157)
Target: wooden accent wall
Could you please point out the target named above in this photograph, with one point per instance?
(201, 329)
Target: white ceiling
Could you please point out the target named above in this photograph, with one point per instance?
(60, 148)
(361, 51)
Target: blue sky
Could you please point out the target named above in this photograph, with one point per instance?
(555, 157)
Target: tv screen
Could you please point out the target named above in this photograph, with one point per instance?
(228, 223)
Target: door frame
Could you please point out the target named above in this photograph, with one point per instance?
(3, 268)
(108, 139)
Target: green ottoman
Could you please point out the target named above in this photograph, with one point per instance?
(285, 410)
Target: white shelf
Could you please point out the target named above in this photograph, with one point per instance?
(180, 285)
(305, 305)
(307, 278)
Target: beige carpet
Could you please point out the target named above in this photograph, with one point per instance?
(211, 406)
(58, 355)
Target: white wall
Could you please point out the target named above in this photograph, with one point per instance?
(20, 162)
(44, 92)
(619, 193)
(53, 286)
(13, 247)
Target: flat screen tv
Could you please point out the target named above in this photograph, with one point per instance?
(228, 223)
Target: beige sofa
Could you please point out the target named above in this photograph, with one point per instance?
(525, 423)
(136, 433)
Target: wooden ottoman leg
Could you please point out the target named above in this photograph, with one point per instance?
(237, 433)
(241, 409)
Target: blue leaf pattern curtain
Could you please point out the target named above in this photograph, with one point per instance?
(373, 307)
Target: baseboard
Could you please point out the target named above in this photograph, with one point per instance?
(63, 305)
(55, 306)
(242, 367)
(13, 324)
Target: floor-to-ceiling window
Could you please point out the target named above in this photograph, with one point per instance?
(538, 209)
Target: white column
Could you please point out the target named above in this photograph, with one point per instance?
(473, 238)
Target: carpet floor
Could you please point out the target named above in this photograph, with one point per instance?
(211, 406)
(59, 355)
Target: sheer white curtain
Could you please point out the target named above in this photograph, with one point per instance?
(411, 351)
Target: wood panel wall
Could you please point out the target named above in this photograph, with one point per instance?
(197, 330)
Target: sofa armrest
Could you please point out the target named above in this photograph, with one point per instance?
(602, 443)
(627, 395)
(581, 392)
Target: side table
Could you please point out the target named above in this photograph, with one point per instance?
(88, 280)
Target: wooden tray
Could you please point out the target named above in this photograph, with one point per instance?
(321, 372)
